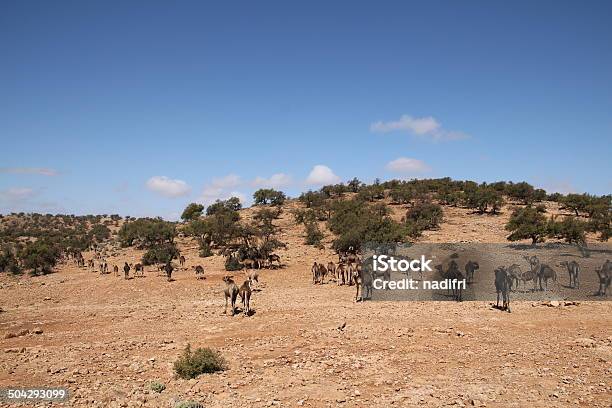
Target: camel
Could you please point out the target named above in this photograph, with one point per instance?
(245, 296)
(573, 270)
(470, 268)
(605, 276)
(199, 271)
(230, 292)
(502, 287)
(542, 272)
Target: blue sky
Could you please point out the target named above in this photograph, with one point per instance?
(139, 108)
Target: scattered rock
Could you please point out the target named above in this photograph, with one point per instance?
(15, 350)
(585, 342)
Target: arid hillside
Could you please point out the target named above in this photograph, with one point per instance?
(108, 339)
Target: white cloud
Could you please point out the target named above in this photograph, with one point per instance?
(211, 194)
(168, 187)
(17, 194)
(407, 166)
(320, 175)
(229, 181)
(42, 171)
(424, 127)
(420, 126)
(221, 189)
(275, 181)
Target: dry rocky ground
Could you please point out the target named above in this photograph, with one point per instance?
(107, 339)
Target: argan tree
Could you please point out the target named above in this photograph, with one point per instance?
(231, 204)
(570, 229)
(40, 256)
(161, 254)
(147, 232)
(528, 223)
(269, 196)
(192, 212)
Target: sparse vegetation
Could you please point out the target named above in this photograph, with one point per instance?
(201, 361)
(8, 260)
(189, 404)
(602, 224)
(157, 386)
(205, 250)
(313, 234)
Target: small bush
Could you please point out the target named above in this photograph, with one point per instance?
(425, 215)
(232, 264)
(158, 386)
(313, 234)
(201, 361)
(205, 250)
(163, 253)
(189, 404)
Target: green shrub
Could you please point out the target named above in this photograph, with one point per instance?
(313, 234)
(425, 215)
(163, 253)
(269, 196)
(8, 261)
(157, 386)
(570, 229)
(602, 223)
(312, 199)
(192, 211)
(149, 231)
(40, 255)
(205, 250)
(201, 361)
(231, 204)
(356, 223)
(528, 223)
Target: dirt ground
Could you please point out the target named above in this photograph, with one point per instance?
(107, 339)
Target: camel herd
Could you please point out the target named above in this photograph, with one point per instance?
(269, 262)
(350, 271)
(231, 290)
(137, 269)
